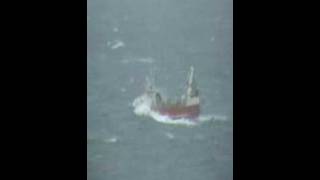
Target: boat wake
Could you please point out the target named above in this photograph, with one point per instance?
(142, 107)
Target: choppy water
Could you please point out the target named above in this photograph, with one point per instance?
(126, 40)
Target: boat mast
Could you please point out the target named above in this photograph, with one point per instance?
(190, 82)
(192, 91)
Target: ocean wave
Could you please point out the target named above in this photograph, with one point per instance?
(115, 44)
(111, 140)
(169, 135)
(145, 60)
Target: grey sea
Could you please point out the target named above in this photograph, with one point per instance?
(131, 39)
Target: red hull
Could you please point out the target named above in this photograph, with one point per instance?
(175, 112)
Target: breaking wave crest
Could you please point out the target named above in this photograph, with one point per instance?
(144, 60)
(142, 107)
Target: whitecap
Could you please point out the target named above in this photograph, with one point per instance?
(169, 135)
(115, 44)
(145, 60)
(115, 29)
(111, 140)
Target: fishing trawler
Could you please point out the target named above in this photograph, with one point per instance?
(188, 106)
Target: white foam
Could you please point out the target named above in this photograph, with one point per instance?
(115, 29)
(169, 135)
(142, 106)
(111, 140)
(115, 44)
(167, 120)
(145, 60)
(204, 118)
(220, 118)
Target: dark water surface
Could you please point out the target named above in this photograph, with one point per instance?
(126, 40)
